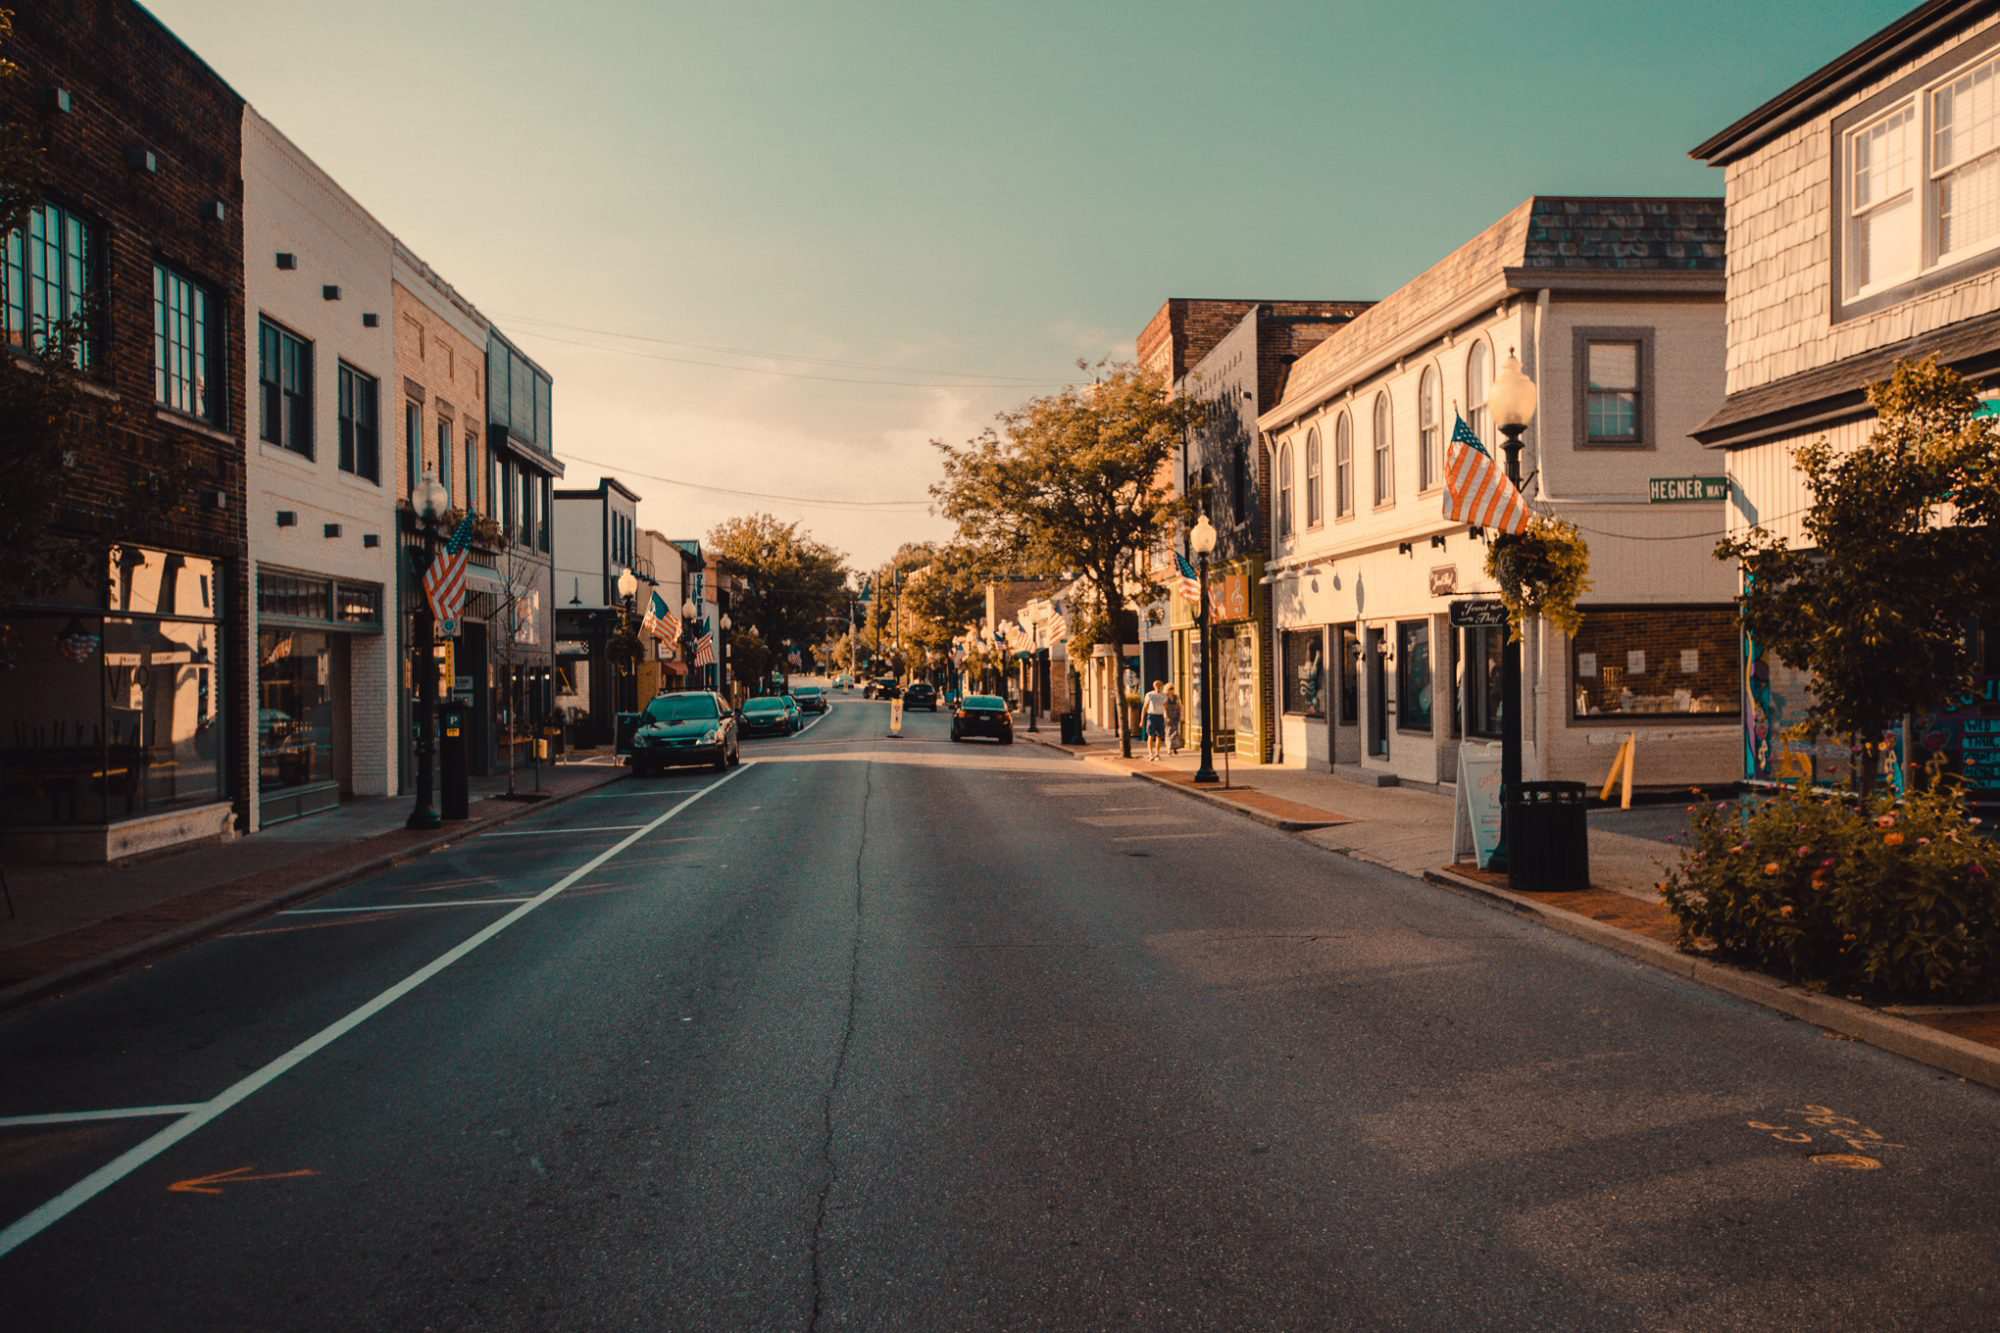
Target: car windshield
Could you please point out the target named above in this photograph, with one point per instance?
(764, 706)
(682, 708)
(806, 692)
(982, 701)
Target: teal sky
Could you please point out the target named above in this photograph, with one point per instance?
(884, 191)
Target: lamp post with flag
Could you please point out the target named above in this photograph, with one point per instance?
(1479, 493)
(442, 576)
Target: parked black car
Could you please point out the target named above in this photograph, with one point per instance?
(771, 715)
(922, 694)
(884, 687)
(983, 715)
(695, 727)
(812, 698)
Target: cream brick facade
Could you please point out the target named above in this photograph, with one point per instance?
(338, 527)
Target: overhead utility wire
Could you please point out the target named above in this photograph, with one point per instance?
(772, 356)
(763, 370)
(616, 470)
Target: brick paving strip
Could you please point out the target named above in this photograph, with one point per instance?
(1630, 920)
(58, 963)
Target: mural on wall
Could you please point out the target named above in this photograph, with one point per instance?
(1966, 739)
(1775, 699)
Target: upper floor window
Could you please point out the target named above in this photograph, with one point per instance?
(1315, 511)
(284, 389)
(1612, 409)
(1385, 452)
(1285, 492)
(48, 279)
(413, 444)
(1430, 414)
(1478, 386)
(542, 527)
(1343, 466)
(187, 345)
(1965, 161)
(360, 432)
(471, 469)
(1882, 231)
(444, 456)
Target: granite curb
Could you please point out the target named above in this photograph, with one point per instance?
(77, 975)
(1899, 1036)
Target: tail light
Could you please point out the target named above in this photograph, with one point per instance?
(959, 713)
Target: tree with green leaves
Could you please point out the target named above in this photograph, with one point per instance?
(1074, 482)
(1900, 550)
(794, 586)
(944, 597)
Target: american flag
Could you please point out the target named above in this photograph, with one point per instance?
(1058, 628)
(1190, 582)
(444, 581)
(1477, 490)
(660, 622)
(704, 646)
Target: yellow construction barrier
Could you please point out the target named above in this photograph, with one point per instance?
(1621, 765)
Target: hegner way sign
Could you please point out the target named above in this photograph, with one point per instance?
(1685, 490)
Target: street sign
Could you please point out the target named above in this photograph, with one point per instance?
(1686, 490)
(1478, 613)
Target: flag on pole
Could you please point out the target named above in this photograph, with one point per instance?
(1190, 582)
(660, 622)
(1477, 490)
(1059, 628)
(444, 581)
(704, 646)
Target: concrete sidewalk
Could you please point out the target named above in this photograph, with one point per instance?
(74, 923)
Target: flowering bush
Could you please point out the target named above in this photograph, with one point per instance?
(1902, 898)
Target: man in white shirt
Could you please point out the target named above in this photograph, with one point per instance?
(1156, 719)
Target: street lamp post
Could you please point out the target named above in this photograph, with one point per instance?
(429, 499)
(1203, 541)
(688, 609)
(1512, 401)
(628, 588)
(722, 654)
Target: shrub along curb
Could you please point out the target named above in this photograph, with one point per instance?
(1900, 1036)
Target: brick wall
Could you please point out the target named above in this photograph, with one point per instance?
(134, 87)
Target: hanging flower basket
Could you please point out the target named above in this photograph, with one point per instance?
(1541, 572)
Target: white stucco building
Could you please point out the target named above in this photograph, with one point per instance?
(1614, 307)
(321, 484)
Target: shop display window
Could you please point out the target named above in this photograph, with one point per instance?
(1656, 662)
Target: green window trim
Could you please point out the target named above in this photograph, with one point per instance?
(188, 324)
(49, 277)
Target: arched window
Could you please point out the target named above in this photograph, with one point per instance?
(1285, 492)
(1478, 384)
(1385, 456)
(1429, 427)
(1343, 466)
(1314, 510)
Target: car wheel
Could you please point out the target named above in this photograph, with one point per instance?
(1006, 738)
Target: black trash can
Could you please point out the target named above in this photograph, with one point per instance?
(1072, 728)
(1548, 842)
(452, 758)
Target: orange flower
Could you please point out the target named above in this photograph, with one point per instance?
(1786, 910)
(1770, 867)
(1885, 821)
(1892, 839)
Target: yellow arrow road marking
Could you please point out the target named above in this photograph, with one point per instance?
(212, 1184)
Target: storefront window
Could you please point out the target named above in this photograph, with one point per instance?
(1483, 698)
(1350, 674)
(1305, 673)
(1413, 675)
(294, 709)
(1655, 662)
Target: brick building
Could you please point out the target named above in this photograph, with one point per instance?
(1862, 231)
(1614, 307)
(126, 725)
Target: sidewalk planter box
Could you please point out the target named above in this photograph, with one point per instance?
(1548, 843)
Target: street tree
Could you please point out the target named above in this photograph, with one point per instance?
(794, 586)
(944, 597)
(1074, 482)
(1900, 551)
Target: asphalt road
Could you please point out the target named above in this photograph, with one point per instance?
(903, 1034)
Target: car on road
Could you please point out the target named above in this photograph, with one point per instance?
(767, 715)
(811, 698)
(983, 715)
(691, 727)
(883, 687)
(921, 694)
(843, 681)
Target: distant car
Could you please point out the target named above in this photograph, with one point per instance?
(983, 715)
(770, 715)
(922, 695)
(693, 727)
(884, 687)
(843, 681)
(812, 698)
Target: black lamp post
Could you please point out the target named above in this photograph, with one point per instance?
(429, 499)
(722, 627)
(688, 610)
(1512, 400)
(628, 671)
(1202, 539)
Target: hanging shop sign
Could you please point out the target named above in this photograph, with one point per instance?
(1444, 581)
(1478, 613)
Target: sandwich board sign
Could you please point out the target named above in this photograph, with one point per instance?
(1475, 817)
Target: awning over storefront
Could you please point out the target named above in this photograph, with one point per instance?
(484, 578)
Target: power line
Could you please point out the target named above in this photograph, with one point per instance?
(776, 356)
(876, 505)
(763, 370)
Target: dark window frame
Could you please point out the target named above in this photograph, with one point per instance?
(1584, 337)
(78, 284)
(360, 430)
(284, 409)
(182, 382)
(1730, 643)
(1407, 689)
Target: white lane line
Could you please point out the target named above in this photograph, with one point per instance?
(397, 907)
(544, 832)
(73, 1117)
(815, 722)
(1161, 837)
(643, 791)
(127, 1162)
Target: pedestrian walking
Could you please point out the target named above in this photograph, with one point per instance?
(1156, 720)
(1173, 719)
